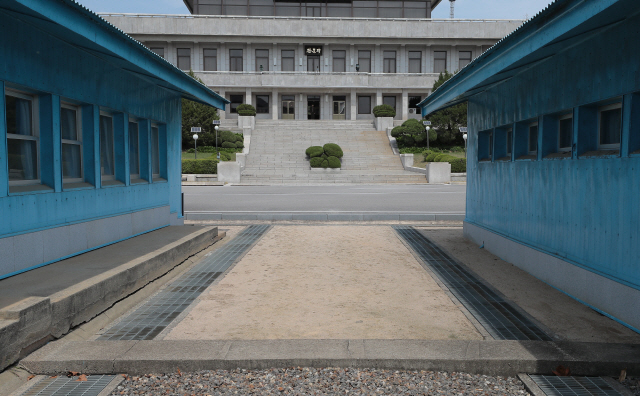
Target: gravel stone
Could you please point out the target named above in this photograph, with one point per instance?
(319, 381)
(633, 384)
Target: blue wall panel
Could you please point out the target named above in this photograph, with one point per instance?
(582, 209)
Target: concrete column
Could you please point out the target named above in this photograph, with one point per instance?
(248, 59)
(303, 107)
(223, 59)
(171, 53)
(376, 64)
(478, 51)
(274, 105)
(275, 63)
(300, 63)
(247, 97)
(404, 102)
(378, 97)
(353, 59)
(427, 62)
(454, 59)
(402, 60)
(221, 113)
(354, 105)
(196, 58)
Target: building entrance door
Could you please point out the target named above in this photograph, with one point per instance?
(313, 107)
(288, 107)
(339, 108)
(313, 63)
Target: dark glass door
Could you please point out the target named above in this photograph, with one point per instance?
(313, 63)
(313, 107)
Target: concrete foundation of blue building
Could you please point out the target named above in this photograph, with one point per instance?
(554, 151)
(90, 134)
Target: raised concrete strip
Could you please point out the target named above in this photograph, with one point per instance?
(479, 357)
(323, 216)
(57, 305)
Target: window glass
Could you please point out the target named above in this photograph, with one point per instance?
(389, 61)
(287, 9)
(22, 144)
(107, 167)
(261, 7)
(565, 134)
(236, 100)
(71, 145)
(158, 50)
(415, 61)
(389, 11)
(235, 60)
(155, 151)
(413, 101)
(363, 11)
(389, 100)
(364, 104)
(533, 138)
(339, 61)
(439, 61)
(464, 59)
(184, 58)
(262, 104)
(509, 141)
(364, 60)
(610, 125)
(288, 60)
(262, 60)
(210, 56)
(134, 149)
(338, 10)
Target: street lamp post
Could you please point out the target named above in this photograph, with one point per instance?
(427, 128)
(464, 136)
(216, 128)
(195, 141)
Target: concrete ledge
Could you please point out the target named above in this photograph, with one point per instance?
(329, 171)
(33, 320)
(323, 216)
(476, 357)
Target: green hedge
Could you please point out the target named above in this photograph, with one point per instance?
(246, 110)
(333, 150)
(316, 162)
(384, 111)
(207, 166)
(314, 151)
(212, 149)
(327, 156)
(333, 162)
(458, 165)
(430, 157)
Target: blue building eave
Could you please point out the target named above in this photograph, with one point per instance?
(561, 25)
(83, 29)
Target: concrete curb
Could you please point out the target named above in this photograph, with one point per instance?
(476, 357)
(33, 321)
(323, 216)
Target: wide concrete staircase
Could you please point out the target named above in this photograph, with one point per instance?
(277, 154)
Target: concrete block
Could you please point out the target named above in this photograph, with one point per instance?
(28, 250)
(438, 172)
(229, 172)
(7, 261)
(382, 123)
(407, 160)
(247, 124)
(241, 159)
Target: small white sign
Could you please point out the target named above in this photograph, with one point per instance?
(426, 122)
(216, 122)
(463, 129)
(196, 129)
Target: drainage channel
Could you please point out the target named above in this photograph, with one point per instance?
(497, 316)
(70, 386)
(149, 320)
(574, 386)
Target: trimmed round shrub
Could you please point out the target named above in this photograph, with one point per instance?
(384, 111)
(228, 145)
(333, 162)
(324, 155)
(420, 138)
(239, 137)
(227, 136)
(430, 157)
(239, 145)
(314, 151)
(200, 167)
(408, 140)
(414, 127)
(316, 162)
(445, 158)
(398, 131)
(246, 110)
(333, 150)
(458, 165)
(325, 163)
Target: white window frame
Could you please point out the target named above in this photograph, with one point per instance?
(560, 119)
(532, 124)
(78, 142)
(612, 146)
(108, 177)
(157, 126)
(35, 133)
(134, 175)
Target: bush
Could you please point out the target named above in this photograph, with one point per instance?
(228, 145)
(414, 127)
(314, 151)
(444, 158)
(207, 166)
(325, 163)
(457, 149)
(246, 110)
(227, 136)
(420, 138)
(239, 145)
(324, 155)
(384, 111)
(316, 162)
(333, 162)
(430, 157)
(408, 140)
(411, 150)
(458, 165)
(239, 137)
(212, 149)
(333, 150)
(398, 131)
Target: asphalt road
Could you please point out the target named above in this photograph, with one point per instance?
(419, 199)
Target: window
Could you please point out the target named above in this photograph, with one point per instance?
(184, 58)
(389, 100)
(533, 139)
(22, 138)
(464, 59)
(134, 150)
(364, 60)
(485, 145)
(415, 61)
(158, 50)
(235, 60)
(71, 143)
(236, 100)
(155, 151)
(262, 60)
(565, 133)
(610, 126)
(509, 141)
(365, 9)
(288, 60)
(413, 101)
(210, 56)
(339, 61)
(262, 104)
(235, 7)
(389, 61)
(389, 9)
(439, 61)
(338, 10)
(364, 104)
(107, 168)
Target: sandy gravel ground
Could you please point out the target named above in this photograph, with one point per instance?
(326, 282)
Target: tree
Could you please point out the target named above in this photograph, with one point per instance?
(197, 115)
(447, 122)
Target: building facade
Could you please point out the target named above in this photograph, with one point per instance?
(554, 151)
(309, 61)
(90, 138)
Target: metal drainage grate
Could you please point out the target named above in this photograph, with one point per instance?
(574, 386)
(69, 386)
(495, 314)
(158, 312)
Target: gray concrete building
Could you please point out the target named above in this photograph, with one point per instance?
(304, 61)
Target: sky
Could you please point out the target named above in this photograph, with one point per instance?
(466, 9)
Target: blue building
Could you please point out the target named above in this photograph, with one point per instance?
(90, 134)
(554, 150)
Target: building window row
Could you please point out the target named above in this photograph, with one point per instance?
(599, 134)
(31, 145)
